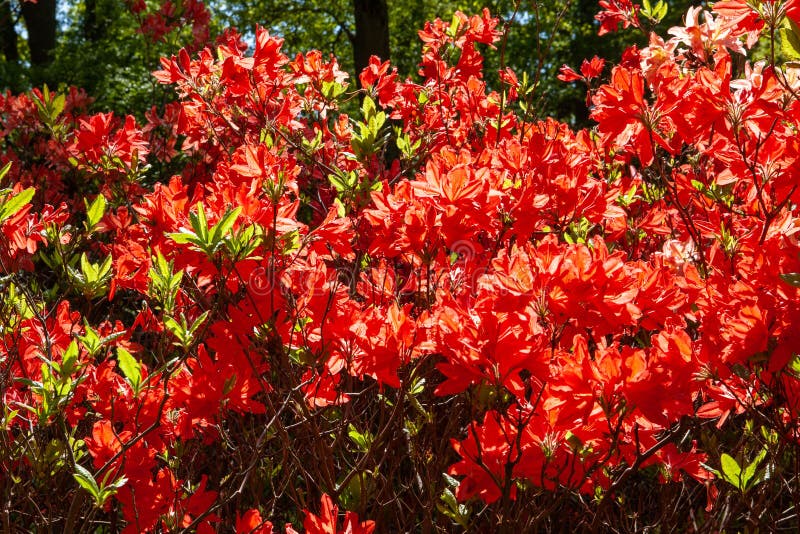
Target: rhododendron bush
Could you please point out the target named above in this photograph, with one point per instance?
(252, 311)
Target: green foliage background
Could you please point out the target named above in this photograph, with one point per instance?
(112, 61)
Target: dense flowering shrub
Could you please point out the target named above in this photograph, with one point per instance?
(256, 312)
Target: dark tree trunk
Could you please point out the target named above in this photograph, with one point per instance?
(40, 19)
(8, 35)
(92, 29)
(372, 32)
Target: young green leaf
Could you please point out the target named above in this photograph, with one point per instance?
(95, 211)
(223, 227)
(790, 39)
(10, 206)
(368, 107)
(5, 170)
(69, 360)
(748, 475)
(731, 471)
(199, 222)
(86, 481)
(131, 368)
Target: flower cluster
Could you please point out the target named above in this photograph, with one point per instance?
(424, 298)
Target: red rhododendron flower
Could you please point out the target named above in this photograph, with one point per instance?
(616, 13)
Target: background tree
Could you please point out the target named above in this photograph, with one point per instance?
(10, 71)
(372, 31)
(37, 20)
(107, 47)
(100, 44)
(8, 33)
(40, 20)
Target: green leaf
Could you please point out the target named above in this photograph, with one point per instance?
(58, 105)
(4, 170)
(449, 499)
(175, 328)
(198, 322)
(200, 236)
(131, 368)
(86, 481)
(92, 342)
(244, 241)
(312, 146)
(790, 39)
(368, 108)
(450, 481)
(731, 471)
(164, 283)
(102, 492)
(95, 211)
(794, 364)
(92, 279)
(417, 386)
(69, 360)
(223, 227)
(573, 441)
(104, 271)
(451, 508)
(199, 222)
(88, 269)
(332, 90)
(452, 29)
(341, 210)
(182, 331)
(109, 490)
(10, 206)
(750, 471)
(339, 182)
(662, 8)
(362, 440)
(184, 236)
(763, 475)
(161, 266)
(792, 279)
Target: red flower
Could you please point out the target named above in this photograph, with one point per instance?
(327, 521)
(616, 12)
(792, 8)
(627, 120)
(566, 74)
(252, 523)
(96, 147)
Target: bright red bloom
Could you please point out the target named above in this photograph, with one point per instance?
(252, 523)
(792, 8)
(627, 119)
(327, 521)
(616, 13)
(96, 146)
(566, 74)
(581, 301)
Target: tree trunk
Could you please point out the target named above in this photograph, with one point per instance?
(92, 29)
(372, 32)
(8, 35)
(40, 19)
